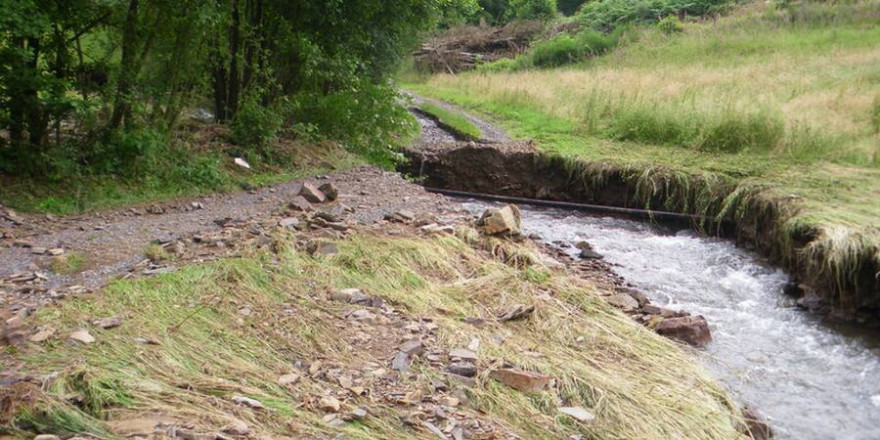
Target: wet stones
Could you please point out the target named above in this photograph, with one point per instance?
(693, 330)
(503, 221)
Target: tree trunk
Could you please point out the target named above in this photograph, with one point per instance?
(126, 75)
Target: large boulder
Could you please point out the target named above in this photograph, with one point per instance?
(501, 221)
(312, 194)
(693, 330)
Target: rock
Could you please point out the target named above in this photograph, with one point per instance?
(329, 404)
(329, 190)
(108, 323)
(578, 413)
(46, 437)
(589, 254)
(463, 368)
(196, 205)
(320, 247)
(814, 303)
(22, 243)
(654, 310)
(247, 401)
(412, 347)
(155, 210)
(640, 297)
(351, 296)
(242, 163)
(39, 250)
(42, 335)
(402, 216)
(236, 427)
(623, 302)
(400, 362)
(463, 354)
(312, 194)
(693, 330)
(289, 222)
(362, 315)
(82, 336)
(521, 380)
(503, 221)
(359, 414)
(288, 379)
(299, 203)
(449, 401)
(755, 427)
(517, 312)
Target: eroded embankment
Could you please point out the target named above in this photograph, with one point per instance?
(838, 278)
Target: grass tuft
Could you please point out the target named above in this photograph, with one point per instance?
(454, 121)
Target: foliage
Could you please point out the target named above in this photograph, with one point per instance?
(453, 121)
(255, 127)
(670, 24)
(559, 50)
(606, 15)
(531, 9)
(569, 7)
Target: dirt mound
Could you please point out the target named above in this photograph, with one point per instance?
(462, 48)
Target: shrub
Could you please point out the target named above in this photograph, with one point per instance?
(500, 65)
(531, 9)
(670, 25)
(567, 49)
(875, 114)
(735, 133)
(649, 125)
(256, 127)
(607, 15)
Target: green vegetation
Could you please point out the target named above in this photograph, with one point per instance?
(187, 350)
(764, 109)
(452, 120)
(69, 263)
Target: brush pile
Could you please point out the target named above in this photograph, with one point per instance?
(463, 48)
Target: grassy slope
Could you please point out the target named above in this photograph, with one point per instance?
(639, 384)
(820, 80)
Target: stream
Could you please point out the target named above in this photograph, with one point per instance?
(810, 381)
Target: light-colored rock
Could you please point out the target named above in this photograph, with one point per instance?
(82, 336)
(108, 323)
(312, 194)
(463, 354)
(329, 404)
(329, 190)
(236, 427)
(46, 437)
(578, 413)
(247, 401)
(242, 163)
(521, 380)
(623, 302)
(288, 379)
(289, 223)
(412, 347)
(503, 221)
(299, 203)
(42, 335)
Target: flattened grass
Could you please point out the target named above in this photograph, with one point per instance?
(638, 384)
(452, 120)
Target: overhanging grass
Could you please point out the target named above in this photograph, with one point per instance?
(454, 121)
(639, 384)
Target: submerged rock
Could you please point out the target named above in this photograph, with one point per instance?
(693, 330)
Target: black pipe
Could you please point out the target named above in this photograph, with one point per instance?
(632, 212)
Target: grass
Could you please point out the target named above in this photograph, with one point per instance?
(156, 253)
(758, 108)
(69, 263)
(454, 121)
(638, 384)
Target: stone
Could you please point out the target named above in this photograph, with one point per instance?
(312, 194)
(82, 336)
(329, 190)
(329, 404)
(108, 323)
(362, 315)
(46, 437)
(434, 430)
(660, 311)
(503, 221)
(578, 413)
(449, 401)
(299, 203)
(242, 163)
(320, 247)
(520, 380)
(42, 335)
(236, 427)
(693, 330)
(412, 347)
(288, 379)
(289, 223)
(463, 354)
(22, 243)
(39, 250)
(589, 254)
(463, 368)
(359, 414)
(352, 296)
(247, 401)
(623, 302)
(400, 362)
(517, 312)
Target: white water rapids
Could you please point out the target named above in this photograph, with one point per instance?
(809, 381)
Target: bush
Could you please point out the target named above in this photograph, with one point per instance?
(735, 133)
(607, 15)
(670, 25)
(566, 49)
(255, 127)
(500, 65)
(875, 114)
(649, 125)
(531, 9)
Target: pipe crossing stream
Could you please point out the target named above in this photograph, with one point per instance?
(810, 381)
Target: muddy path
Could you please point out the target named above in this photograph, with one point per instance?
(110, 244)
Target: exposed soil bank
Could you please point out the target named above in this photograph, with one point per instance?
(848, 289)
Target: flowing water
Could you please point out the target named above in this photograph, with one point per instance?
(808, 380)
